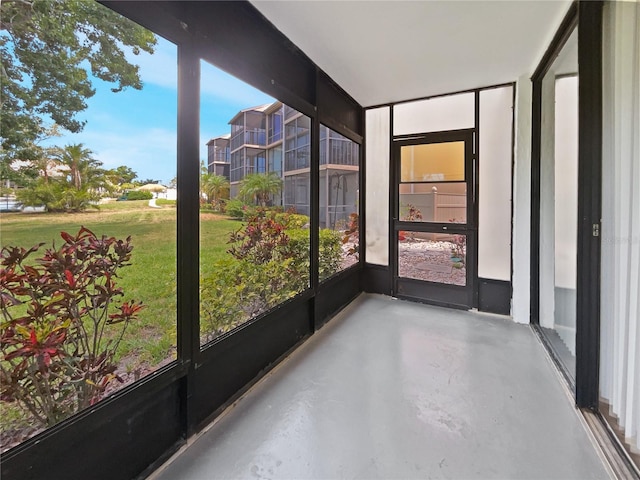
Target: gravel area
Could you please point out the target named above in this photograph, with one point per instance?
(348, 260)
(429, 260)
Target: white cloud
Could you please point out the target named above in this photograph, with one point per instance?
(161, 68)
(150, 152)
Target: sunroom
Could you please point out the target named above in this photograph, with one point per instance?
(457, 268)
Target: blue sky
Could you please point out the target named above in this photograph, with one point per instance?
(138, 128)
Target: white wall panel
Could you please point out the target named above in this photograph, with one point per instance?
(566, 182)
(378, 124)
(452, 112)
(494, 216)
(522, 203)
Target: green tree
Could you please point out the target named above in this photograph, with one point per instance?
(72, 181)
(45, 47)
(146, 181)
(121, 175)
(259, 187)
(215, 187)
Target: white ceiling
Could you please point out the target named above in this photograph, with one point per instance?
(386, 51)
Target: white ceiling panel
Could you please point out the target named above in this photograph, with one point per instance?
(388, 51)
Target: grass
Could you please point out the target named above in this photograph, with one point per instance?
(152, 275)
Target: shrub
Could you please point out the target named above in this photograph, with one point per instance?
(235, 209)
(329, 251)
(268, 264)
(240, 290)
(292, 220)
(62, 323)
(139, 195)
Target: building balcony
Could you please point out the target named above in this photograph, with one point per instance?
(253, 137)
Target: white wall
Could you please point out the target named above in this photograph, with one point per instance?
(566, 182)
(377, 148)
(494, 209)
(547, 205)
(453, 112)
(522, 203)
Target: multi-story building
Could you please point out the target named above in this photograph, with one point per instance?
(218, 155)
(275, 138)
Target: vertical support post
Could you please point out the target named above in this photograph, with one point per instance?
(589, 203)
(188, 234)
(314, 260)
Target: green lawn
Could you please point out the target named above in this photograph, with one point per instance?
(152, 276)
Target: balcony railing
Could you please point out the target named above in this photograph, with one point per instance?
(256, 136)
(340, 152)
(219, 156)
(296, 159)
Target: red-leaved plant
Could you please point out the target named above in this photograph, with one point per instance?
(261, 240)
(351, 235)
(63, 318)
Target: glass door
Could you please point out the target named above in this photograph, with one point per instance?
(435, 230)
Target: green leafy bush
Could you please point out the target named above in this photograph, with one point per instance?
(267, 265)
(62, 323)
(330, 251)
(291, 220)
(139, 195)
(235, 209)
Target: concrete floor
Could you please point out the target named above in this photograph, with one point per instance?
(393, 389)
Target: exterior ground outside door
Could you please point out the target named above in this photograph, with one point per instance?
(434, 235)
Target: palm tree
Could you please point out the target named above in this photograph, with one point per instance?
(83, 170)
(215, 187)
(75, 188)
(259, 187)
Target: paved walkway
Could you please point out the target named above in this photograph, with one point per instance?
(393, 389)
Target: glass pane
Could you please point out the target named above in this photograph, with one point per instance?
(254, 221)
(494, 200)
(559, 204)
(101, 195)
(432, 162)
(339, 206)
(451, 112)
(433, 257)
(377, 191)
(433, 202)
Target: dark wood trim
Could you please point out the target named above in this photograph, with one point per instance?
(375, 279)
(188, 231)
(437, 294)
(393, 247)
(536, 138)
(314, 221)
(475, 164)
(494, 296)
(589, 203)
(513, 177)
(587, 17)
(563, 33)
